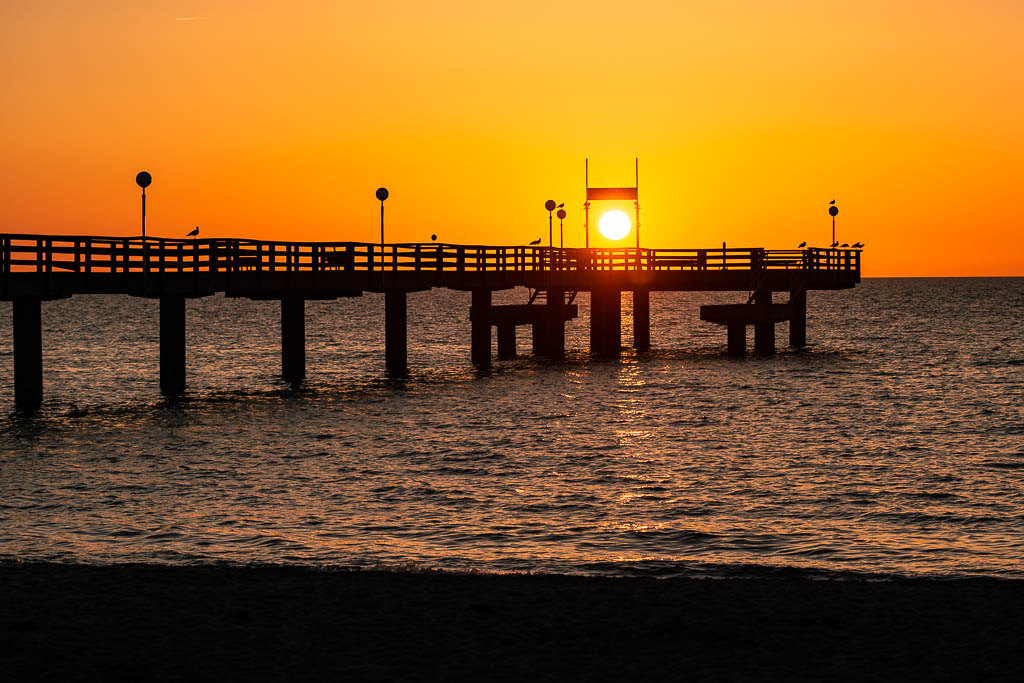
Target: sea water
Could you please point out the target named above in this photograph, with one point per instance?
(892, 445)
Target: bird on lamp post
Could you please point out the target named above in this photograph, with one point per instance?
(832, 211)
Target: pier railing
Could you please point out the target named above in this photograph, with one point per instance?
(88, 254)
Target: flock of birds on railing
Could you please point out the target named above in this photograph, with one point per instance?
(855, 245)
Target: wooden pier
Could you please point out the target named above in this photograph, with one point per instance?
(34, 268)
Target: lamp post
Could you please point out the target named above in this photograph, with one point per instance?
(561, 231)
(382, 194)
(550, 206)
(143, 180)
(832, 211)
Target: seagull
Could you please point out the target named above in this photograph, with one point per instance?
(835, 244)
(858, 245)
(844, 246)
(535, 242)
(802, 245)
(194, 232)
(832, 202)
(562, 205)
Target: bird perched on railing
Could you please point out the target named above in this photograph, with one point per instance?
(834, 245)
(535, 242)
(858, 245)
(195, 231)
(802, 245)
(844, 246)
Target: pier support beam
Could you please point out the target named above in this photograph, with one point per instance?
(538, 338)
(605, 322)
(764, 332)
(172, 345)
(480, 351)
(507, 341)
(554, 325)
(798, 323)
(293, 339)
(641, 319)
(737, 339)
(396, 355)
(28, 354)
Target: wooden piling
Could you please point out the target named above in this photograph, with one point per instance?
(28, 354)
(293, 339)
(395, 332)
(507, 340)
(605, 322)
(764, 338)
(554, 325)
(480, 350)
(172, 345)
(764, 330)
(798, 321)
(641, 319)
(737, 339)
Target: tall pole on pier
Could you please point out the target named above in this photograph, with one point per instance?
(637, 205)
(143, 179)
(550, 206)
(586, 204)
(561, 230)
(382, 194)
(832, 211)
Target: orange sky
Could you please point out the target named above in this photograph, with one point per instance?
(279, 120)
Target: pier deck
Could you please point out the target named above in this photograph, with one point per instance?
(34, 268)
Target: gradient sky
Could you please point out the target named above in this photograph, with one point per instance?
(280, 119)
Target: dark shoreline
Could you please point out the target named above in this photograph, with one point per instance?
(77, 622)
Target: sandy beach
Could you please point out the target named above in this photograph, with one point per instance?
(78, 622)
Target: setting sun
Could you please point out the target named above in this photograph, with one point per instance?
(614, 225)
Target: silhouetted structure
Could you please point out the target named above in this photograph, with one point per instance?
(143, 179)
(34, 268)
(610, 193)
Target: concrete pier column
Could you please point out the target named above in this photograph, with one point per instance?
(481, 323)
(798, 321)
(554, 333)
(293, 339)
(737, 339)
(396, 355)
(764, 332)
(28, 354)
(605, 322)
(507, 341)
(641, 319)
(172, 345)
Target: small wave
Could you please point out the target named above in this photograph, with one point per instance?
(1002, 465)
